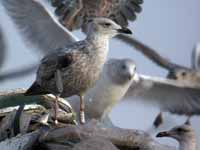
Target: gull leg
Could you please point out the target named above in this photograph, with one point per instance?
(82, 110)
(158, 120)
(59, 85)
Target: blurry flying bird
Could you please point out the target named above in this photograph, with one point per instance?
(184, 134)
(183, 101)
(73, 69)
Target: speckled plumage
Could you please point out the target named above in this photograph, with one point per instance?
(79, 63)
(76, 67)
(76, 13)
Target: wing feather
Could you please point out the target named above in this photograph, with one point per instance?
(37, 25)
(170, 95)
(118, 10)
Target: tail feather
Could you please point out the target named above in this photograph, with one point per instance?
(35, 89)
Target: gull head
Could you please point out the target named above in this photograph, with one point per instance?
(180, 74)
(181, 133)
(121, 71)
(186, 75)
(105, 26)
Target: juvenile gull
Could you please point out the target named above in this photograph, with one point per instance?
(184, 134)
(48, 29)
(75, 68)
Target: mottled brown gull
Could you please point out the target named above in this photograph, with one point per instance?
(73, 69)
(184, 134)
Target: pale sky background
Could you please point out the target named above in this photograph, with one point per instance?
(171, 26)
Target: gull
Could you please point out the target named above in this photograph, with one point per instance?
(52, 34)
(184, 134)
(115, 79)
(182, 99)
(73, 69)
(40, 25)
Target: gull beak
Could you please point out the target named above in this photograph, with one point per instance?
(131, 73)
(124, 30)
(163, 134)
(130, 77)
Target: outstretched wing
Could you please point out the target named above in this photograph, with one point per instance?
(37, 25)
(75, 13)
(170, 95)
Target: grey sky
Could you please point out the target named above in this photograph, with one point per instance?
(170, 26)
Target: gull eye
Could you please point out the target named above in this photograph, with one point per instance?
(123, 67)
(181, 130)
(106, 24)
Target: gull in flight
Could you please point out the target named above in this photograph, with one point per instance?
(167, 93)
(184, 134)
(72, 69)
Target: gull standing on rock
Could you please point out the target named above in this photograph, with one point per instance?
(73, 69)
(184, 134)
(117, 74)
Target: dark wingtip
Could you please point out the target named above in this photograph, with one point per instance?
(35, 89)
